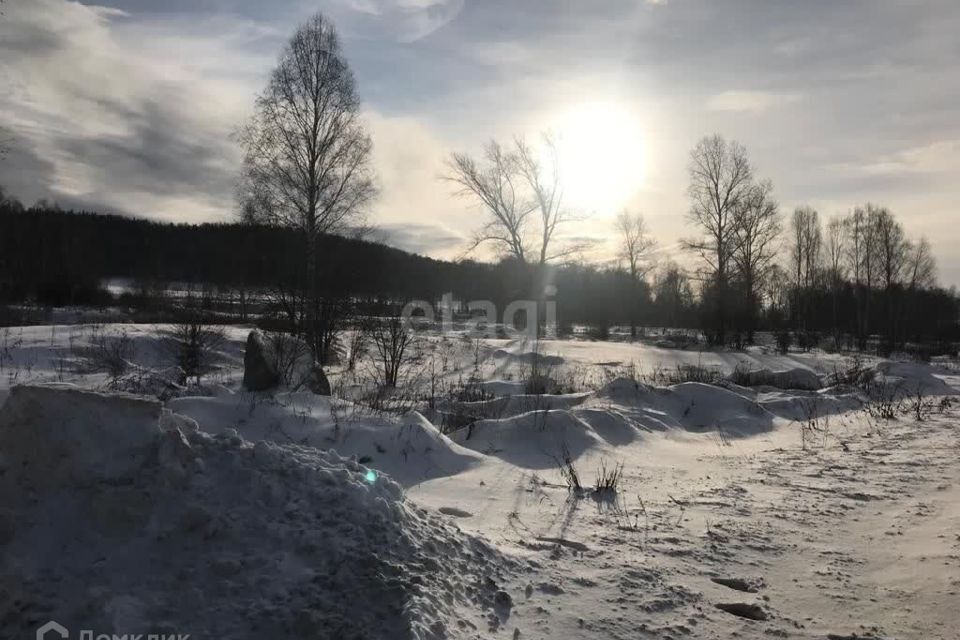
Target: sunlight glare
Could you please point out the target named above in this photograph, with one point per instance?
(601, 156)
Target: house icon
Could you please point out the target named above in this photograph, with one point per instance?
(52, 630)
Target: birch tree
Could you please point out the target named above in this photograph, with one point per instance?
(720, 177)
(307, 156)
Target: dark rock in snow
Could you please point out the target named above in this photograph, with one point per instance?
(259, 364)
(744, 610)
(317, 382)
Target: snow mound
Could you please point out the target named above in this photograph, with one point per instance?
(533, 440)
(503, 387)
(59, 434)
(798, 405)
(119, 517)
(797, 378)
(692, 406)
(609, 424)
(529, 357)
(508, 406)
(409, 449)
(911, 378)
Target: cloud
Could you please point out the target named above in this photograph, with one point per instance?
(425, 239)
(749, 101)
(117, 125)
(131, 106)
(406, 21)
(410, 161)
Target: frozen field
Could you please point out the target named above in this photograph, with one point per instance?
(739, 512)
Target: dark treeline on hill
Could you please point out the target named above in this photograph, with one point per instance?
(59, 257)
(50, 257)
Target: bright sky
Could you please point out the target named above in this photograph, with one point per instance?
(130, 106)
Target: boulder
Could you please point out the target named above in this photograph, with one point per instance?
(260, 372)
(317, 381)
(268, 364)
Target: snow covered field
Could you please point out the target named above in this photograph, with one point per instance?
(741, 511)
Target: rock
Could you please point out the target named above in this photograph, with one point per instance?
(739, 584)
(746, 610)
(317, 381)
(335, 354)
(259, 364)
(8, 527)
(502, 599)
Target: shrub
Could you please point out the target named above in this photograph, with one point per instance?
(608, 478)
(883, 399)
(108, 354)
(192, 343)
(394, 343)
(568, 471)
(784, 340)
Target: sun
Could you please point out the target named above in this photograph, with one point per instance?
(601, 154)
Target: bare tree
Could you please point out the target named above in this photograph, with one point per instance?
(493, 181)
(891, 247)
(520, 188)
(806, 244)
(307, 156)
(541, 173)
(673, 292)
(720, 177)
(635, 247)
(836, 251)
(858, 265)
(393, 340)
(921, 266)
(756, 232)
(836, 248)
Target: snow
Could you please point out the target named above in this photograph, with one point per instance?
(779, 509)
(409, 448)
(796, 378)
(114, 524)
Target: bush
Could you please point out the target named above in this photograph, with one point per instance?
(884, 400)
(784, 340)
(108, 354)
(394, 343)
(608, 478)
(685, 372)
(807, 340)
(192, 343)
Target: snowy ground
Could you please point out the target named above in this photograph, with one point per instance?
(742, 512)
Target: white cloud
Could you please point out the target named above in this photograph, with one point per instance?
(119, 119)
(406, 20)
(749, 101)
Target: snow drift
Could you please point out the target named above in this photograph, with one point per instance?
(910, 378)
(692, 406)
(797, 378)
(119, 517)
(409, 448)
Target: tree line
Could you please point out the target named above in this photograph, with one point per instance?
(858, 280)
